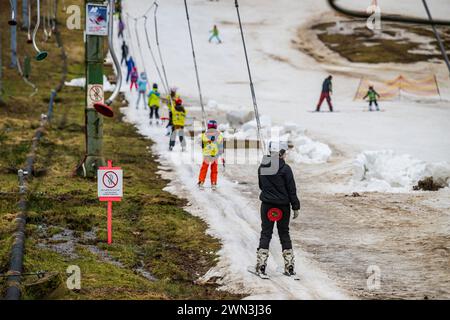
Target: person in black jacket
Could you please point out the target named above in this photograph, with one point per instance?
(278, 195)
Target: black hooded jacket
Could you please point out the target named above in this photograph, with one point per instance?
(278, 189)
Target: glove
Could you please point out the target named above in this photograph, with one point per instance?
(296, 213)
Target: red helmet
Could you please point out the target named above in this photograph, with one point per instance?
(212, 124)
(178, 101)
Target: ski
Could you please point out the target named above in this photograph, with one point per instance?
(252, 270)
(295, 277)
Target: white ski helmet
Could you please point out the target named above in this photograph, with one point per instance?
(278, 146)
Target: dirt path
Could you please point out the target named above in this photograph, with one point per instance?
(405, 235)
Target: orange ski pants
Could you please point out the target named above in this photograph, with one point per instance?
(204, 171)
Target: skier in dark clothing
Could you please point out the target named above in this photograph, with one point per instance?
(327, 90)
(130, 66)
(372, 94)
(124, 52)
(278, 195)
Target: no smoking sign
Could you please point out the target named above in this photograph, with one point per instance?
(95, 95)
(109, 182)
(109, 185)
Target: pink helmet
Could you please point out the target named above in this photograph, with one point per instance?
(212, 124)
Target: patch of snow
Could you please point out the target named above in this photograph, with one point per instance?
(308, 151)
(81, 82)
(386, 171)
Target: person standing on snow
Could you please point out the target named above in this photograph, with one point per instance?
(121, 27)
(212, 146)
(178, 122)
(124, 53)
(215, 34)
(130, 66)
(327, 90)
(154, 102)
(278, 194)
(372, 94)
(170, 102)
(142, 88)
(134, 78)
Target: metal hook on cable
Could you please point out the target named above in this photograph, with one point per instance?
(44, 27)
(13, 20)
(166, 89)
(104, 108)
(158, 45)
(139, 45)
(49, 19)
(195, 66)
(54, 7)
(29, 40)
(41, 55)
(252, 88)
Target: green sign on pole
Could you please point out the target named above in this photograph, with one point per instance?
(96, 24)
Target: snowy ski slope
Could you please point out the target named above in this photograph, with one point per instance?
(287, 84)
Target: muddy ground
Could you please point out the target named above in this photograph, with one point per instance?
(405, 235)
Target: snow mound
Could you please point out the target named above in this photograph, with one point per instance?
(303, 149)
(308, 151)
(386, 171)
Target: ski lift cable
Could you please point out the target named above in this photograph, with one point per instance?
(117, 64)
(49, 19)
(158, 45)
(195, 65)
(386, 17)
(131, 48)
(145, 13)
(436, 34)
(252, 87)
(29, 23)
(41, 54)
(44, 27)
(13, 21)
(28, 82)
(139, 45)
(166, 89)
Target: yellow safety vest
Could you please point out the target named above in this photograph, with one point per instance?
(178, 117)
(212, 148)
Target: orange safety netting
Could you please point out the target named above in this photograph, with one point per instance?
(391, 89)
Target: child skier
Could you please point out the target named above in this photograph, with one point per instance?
(212, 146)
(125, 51)
(130, 66)
(142, 85)
(121, 27)
(372, 94)
(178, 121)
(154, 102)
(134, 78)
(170, 102)
(278, 193)
(215, 34)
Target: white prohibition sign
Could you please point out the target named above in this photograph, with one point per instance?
(110, 179)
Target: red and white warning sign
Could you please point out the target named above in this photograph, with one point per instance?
(109, 183)
(110, 189)
(95, 95)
